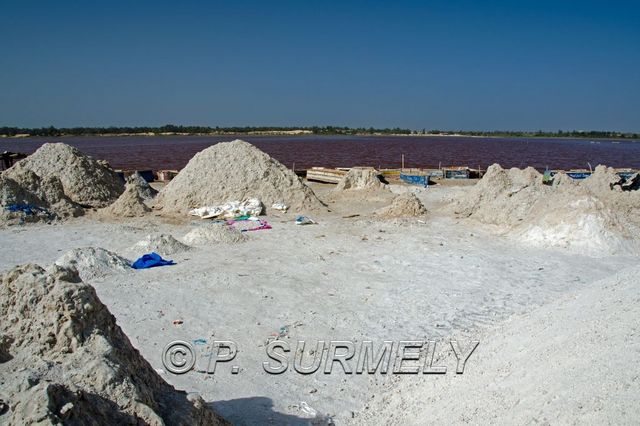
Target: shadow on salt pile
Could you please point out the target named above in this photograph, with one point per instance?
(259, 410)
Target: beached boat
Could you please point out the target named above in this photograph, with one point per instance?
(456, 172)
(415, 179)
(626, 173)
(325, 175)
(579, 174)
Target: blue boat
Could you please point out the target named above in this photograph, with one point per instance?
(583, 174)
(422, 180)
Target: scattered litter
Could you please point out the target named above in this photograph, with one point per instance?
(160, 371)
(151, 260)
(231, 209)
(284, 331)
(303, 220)
(350, 216)
(280, 206)
(262, 224)
(200, 342)
(177, 322)
(317, 418)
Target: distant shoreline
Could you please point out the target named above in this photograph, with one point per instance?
(175, 130)
(630, 138)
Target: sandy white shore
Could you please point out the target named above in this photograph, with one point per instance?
(556, 342)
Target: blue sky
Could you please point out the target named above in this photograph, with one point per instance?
(438, 65)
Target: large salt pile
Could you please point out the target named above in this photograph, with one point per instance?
(360, 179)
(403, 205)
(503, 197)
(217, 233)
(93, 262)
(234, 171)
(595, 215)
(85, 181)
(26, 196)
(64, 360)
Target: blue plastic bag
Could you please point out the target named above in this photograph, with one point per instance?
(151, 260)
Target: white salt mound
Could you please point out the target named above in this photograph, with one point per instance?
(21, 186)
(403, 205)
(143, 188)
(85, 181)
(360, 179)
(584, 341)
(93, 262)
(234, 171)
(596, 216)
(129, 204)
(214, 234)
(163, 244)
(64, 360)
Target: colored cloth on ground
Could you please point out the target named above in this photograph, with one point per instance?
(262, 224)
(151, 260)
(25, 208)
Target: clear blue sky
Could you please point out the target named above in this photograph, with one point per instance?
(442, 64)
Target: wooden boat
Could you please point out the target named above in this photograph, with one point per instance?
(326, 175)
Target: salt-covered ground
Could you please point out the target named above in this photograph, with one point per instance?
(360, 279)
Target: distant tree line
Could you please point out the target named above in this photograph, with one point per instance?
(590, 134)
(317, 130)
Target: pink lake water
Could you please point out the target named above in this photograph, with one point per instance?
(173, 152)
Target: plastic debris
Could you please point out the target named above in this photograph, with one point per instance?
(317, 418)
(284, 331)
(151, 260)
(303, 220)
(280, 206)
(231, 209)
(177, 322)
(261, 224)
(199, 342)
